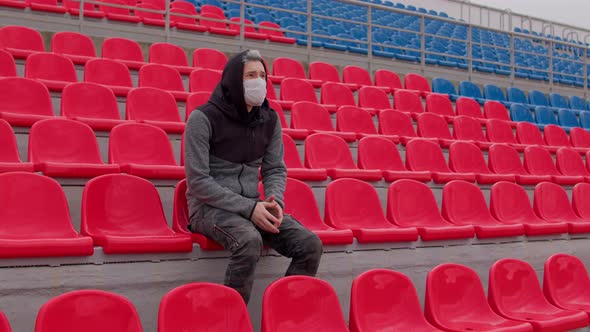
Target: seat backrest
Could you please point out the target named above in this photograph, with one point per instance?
(151, 104)
(4, 324)
(7, 64)
(468, 107)
(24, 96)
(352, 203)
(441, 85)
(564, 277)
(423, 155)
(204, 80)
(577, 103)
(89, 100)
(519, 112)
(469, 89)
(417, 82)
(356, 75)
(180, 218)
(209, 58)
(537, 98)
(266, 24)
(291, 155)
(288, 68)
(336, 94)
(122, 49)
(412, 204)
(493, 92)
(139, 143)
(161, 77)
(75, 5)
(196, 306)
(409, 102)
(63, 141)
(580, 138)
(195, 100)
(499, 131)
(556, 136)
(354, 119)
(569, 162)
(465, 157)
(463, 203)
(210, 9)
(384, 77)
(504, 159)
(50, 66)
(439, 104)
(567, 118)
(453, 288)
(433, 126)
(323, 71)
(107, 9)
(512, 285)
(327, 151)
(392, 122)
(379, 153)
(544, 115)
(468, 129)
(585, 119)
(184, 5)
(8, 148)
(580, 197)
(509, 202)
(313, 304)
(167, 54)
(85, 310)
(72, 43)
(150, 5)
(373, 97)
(295, 89)
(279, 110)
(23, 38)
(495, 110)
(516, 95)
(538, 161)
(558, 100)
(191, 21)
(213, 24)
(107, 72)
(235, 25)
(381, 297)
(551, 202)
(300, 203)
(306, 115)
(529, 134)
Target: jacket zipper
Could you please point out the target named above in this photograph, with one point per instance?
(240, 180)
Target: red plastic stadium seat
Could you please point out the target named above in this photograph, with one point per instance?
(331, 153)
(359, 121)
(510, 204)
(85, 310)
(441, 105)
(216, 27)
(385, 300)
(538, 161)
(9, 158)
(184, 5)
(313, 305)
(294, 167)
(36, 220)
(463, 204)
(556, 136)
(514, 292)
(495, 110)
(359, 76)
(412, 204)
(92, 104)
(279, 110)
(73, 7)
(580, 138)
(53, 70)
(118, 13)
(504, 159)
(24, 101)
(408, 102)
(315, 118)
(274, 35)
(180, 219)
(46, 6)
(124, 50)
(566, 283)
(66, 148)
(155, 107)
(171, 55)
(423, 155)
(580, 196)
(326, 72)
(395, 123)
(471, 108)
(196, 306)
(286, 67)
(434, 126)
(249, 31)
(570, 163)
(498, 131)
(149, 17)
(76, 46)
(340, 95)
(529, 134)
(7, 64)
(211, 9)
(373, 99)
(379, 153)
(384, 77)
(133, 221)
(467, 128)
(21, 41)
(111, 73)
(163, 77)
(183, 22)
(301, 204)
(20, 4)
(4, 324)
(417, 82)
(465, 157)
(209, 58)
(195, 100)
(295, 89)
(143, 150)
(204, 80)
(551, 203)
(354, 204)
(452, 289)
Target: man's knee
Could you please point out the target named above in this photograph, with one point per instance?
(312, 245)
(249, 244)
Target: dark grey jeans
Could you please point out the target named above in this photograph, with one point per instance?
(245, 241)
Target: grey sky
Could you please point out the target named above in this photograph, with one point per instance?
(571, 12)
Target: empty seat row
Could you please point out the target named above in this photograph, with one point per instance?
(566, 118)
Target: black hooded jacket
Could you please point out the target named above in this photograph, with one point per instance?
(225, 145)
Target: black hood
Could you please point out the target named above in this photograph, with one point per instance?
(228, 96)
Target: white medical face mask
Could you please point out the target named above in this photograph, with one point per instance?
(254, 91)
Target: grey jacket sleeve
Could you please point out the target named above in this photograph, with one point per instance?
(274, 172)
(196, 163)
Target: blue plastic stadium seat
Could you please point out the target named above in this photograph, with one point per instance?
(469, 89)
(516, 95)
(538, 98)
(567, 119)
(577, 103)
(545, 116)
(494, 92)
(585, 119)
(519, 112)
(441, 85)
(558, 101)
